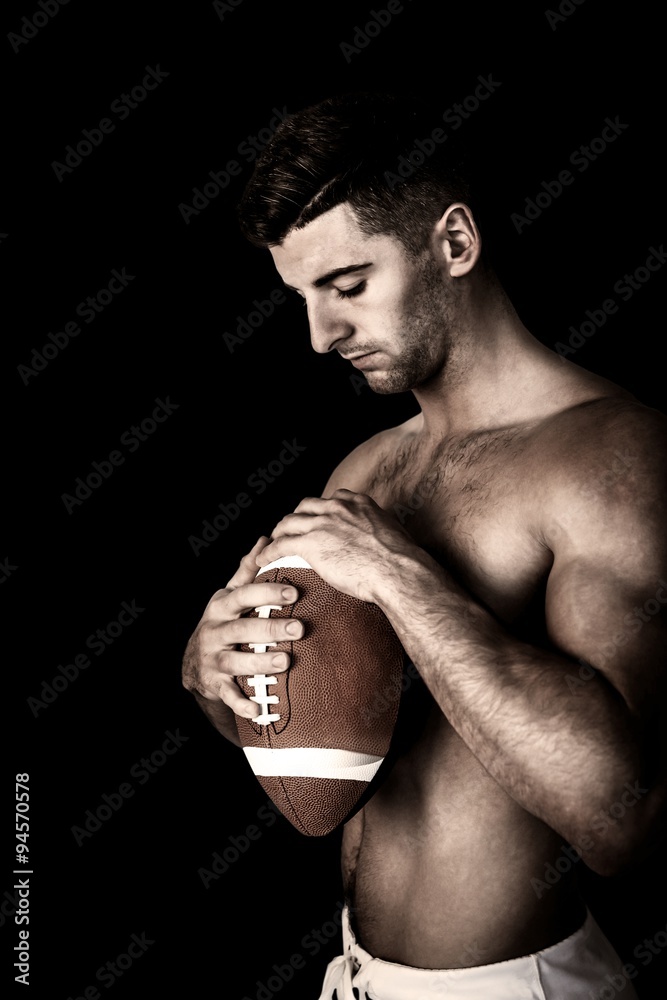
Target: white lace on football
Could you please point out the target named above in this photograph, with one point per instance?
(260, 682)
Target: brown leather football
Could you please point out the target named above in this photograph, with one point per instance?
(326, 722)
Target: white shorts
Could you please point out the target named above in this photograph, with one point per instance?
(583, 966)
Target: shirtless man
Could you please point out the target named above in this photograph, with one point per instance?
(519, 586)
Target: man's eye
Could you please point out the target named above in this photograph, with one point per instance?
(349, 293)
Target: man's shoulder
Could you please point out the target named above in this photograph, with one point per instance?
(587, 435)
(602, 465)
(355, 471)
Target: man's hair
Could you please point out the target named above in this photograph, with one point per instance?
(373, 151)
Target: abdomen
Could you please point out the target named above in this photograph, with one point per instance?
(445, 870)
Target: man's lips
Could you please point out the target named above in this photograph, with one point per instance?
(361, 360)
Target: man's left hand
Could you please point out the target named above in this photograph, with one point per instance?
(348, 539)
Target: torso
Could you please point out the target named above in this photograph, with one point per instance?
(438, 864)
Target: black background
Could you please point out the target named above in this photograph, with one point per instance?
(163, 336)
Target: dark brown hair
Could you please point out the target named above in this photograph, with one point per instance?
(374, 151)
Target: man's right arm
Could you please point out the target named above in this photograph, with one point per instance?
(212, 658)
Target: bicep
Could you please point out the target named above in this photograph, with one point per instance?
(606, 600)
(615, 622)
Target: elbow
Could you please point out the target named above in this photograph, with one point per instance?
(620, 836)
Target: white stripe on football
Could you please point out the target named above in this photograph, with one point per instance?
(312, 762)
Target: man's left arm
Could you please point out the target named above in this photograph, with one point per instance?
(568, 731)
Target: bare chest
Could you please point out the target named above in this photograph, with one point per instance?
(473, 507)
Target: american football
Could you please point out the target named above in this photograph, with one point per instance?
(320, 738)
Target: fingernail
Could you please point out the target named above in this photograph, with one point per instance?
(278, 660)
(294, 628)
(289, 593)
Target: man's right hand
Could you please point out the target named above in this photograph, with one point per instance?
(212, 659)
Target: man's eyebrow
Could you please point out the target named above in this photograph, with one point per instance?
(330, 275)
(336, 273)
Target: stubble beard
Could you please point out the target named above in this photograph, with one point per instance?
(426, 337)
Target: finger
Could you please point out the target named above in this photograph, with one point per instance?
(235, 663)
(297, 524)
(233, 697)
(214, 638)
(256, 595)
(286, 545)
(248, 567)
(345, 494)
(229, 604)
(318, 505)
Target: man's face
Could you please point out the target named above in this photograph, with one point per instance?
(391, 315)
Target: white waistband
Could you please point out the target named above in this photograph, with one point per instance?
(571, 969)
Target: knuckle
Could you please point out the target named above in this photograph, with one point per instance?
(223, 688)
(225, 661)
(215, 600)
(204, 639)
(277, 628)
(210, 685)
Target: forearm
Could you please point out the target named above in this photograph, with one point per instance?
(563, 754)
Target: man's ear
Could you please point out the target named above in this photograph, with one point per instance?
(456, 241)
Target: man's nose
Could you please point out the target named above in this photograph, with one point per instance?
(327, 326)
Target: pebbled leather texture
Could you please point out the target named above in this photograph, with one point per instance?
(348, 661)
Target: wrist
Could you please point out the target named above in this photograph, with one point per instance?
(409, 573)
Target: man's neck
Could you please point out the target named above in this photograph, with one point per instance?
(499, 375)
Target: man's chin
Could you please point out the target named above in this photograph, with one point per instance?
(386, 383)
